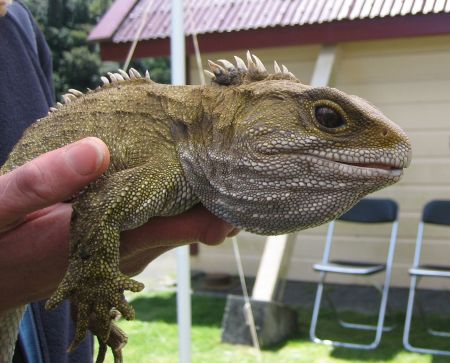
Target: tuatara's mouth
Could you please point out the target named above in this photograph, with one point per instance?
(390, 169)
(389, 166)
(374, 166)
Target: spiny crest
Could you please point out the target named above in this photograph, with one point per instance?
(123, 76)
(119, 76)
(226, 73)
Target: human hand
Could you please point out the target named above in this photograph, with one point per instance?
(34, 223)
(4, 6)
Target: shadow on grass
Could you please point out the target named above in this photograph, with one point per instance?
(207, 311)
(391, 343)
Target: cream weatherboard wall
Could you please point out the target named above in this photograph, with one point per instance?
(409, 80)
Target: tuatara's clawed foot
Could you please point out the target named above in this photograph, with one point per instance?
(62, 292)
(96, 298)
(116, 341)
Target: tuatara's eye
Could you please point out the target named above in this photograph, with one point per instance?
(328, 117)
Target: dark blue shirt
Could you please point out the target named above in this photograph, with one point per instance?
(26, 93)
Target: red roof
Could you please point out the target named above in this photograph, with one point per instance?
(122, 21)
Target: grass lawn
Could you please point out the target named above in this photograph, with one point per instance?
(153, 337)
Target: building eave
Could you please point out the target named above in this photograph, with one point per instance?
(325, 33)
(109, 23)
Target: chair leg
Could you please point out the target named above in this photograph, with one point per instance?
(385, 305)
(408, 320)
(382, 310)
(424, 318)
(316, 309)
(357, 326)
(342, 322)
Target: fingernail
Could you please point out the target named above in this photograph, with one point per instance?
(233, 232)
(85, 156)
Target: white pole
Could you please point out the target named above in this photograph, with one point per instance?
(177, 49)
(184, 304)
(178, 69)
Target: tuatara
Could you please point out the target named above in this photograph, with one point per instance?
(263, 151)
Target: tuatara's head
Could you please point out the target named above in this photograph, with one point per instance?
(279, 156)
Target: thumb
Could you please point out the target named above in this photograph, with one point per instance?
(50, 178)
(4, 6)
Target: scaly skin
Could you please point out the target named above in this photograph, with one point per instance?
(264, 152)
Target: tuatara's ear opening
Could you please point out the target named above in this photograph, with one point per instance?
(179, 130)
(227, 74)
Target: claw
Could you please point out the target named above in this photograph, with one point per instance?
(126, 310)
(97, 298)
(116, 340)
(104, 330)
(101, 354)
(117, 356)
(81, 326)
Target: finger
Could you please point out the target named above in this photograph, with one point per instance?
(141, 246)
(197, 224)
(132, 265)
(33, 257)
(51, 178)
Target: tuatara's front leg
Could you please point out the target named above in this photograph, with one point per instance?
(123, 200)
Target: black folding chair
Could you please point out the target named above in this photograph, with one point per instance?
(368, 211)
(436, 212)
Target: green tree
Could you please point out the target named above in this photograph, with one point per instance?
(76, 64)
(97, 7)
(55, 13)
(159, 68)
(66, 25)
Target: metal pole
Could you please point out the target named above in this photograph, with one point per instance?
(177, 48)
(184, 304)
(178, 69)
